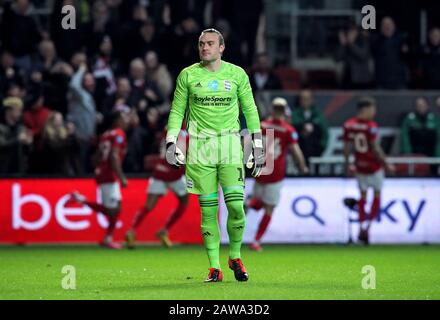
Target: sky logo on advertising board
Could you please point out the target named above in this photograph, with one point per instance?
(413, 213)
(306, 206)
(61, 212)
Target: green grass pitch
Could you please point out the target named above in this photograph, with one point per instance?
(279, 272)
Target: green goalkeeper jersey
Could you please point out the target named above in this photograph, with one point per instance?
(213, 99)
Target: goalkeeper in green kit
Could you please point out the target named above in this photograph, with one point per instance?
(208, 95)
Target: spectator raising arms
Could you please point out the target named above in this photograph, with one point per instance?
(82, 113)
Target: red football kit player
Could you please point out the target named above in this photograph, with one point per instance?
(109, 157)
(164, 177)
(360, 137)
(267, 187)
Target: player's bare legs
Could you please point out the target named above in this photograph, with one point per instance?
(150, 203)
(262, 227)
(162, 234)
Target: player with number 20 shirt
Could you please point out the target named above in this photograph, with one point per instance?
(360, 137)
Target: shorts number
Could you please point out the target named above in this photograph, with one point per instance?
(240, 174)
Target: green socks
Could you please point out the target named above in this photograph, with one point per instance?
(210, 228)
(234, 198)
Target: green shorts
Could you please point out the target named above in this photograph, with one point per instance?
(214, 161)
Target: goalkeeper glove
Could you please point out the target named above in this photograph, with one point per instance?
(255, 162)
(174, 155)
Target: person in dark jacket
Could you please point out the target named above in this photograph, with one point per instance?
(430, 61)
(22, 36)
(354, 52)
(15, 139)
(388, 49)
(138, 140)
(262, 76)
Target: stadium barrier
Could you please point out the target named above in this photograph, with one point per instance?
(311, 210)
(409, 166)
(35, 211)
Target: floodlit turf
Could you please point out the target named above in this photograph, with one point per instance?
(280, 272)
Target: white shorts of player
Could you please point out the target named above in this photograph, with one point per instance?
(160, 187)
(269, 193)
(110, 194)
(374, 180)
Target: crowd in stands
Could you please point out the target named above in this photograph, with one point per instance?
(58, 86)
(396, 64)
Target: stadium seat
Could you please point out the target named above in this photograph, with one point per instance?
(322, 79)
(290, 78)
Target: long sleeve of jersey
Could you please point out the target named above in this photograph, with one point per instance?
(178, 106)
(247, 102)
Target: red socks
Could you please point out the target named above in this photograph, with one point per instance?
(361, 208)
(375, 208)
(263, 226)
(175, 216)
(111, 225)
(97, 207)
(140, 215)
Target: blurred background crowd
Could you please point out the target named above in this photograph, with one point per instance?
(58, 86)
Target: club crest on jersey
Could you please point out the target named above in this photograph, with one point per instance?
(228, 85)
(295, 136)
(213, 85)
(119, 139)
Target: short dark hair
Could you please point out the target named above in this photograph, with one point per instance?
(221, 40)
(114, 116)
(365, 102)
